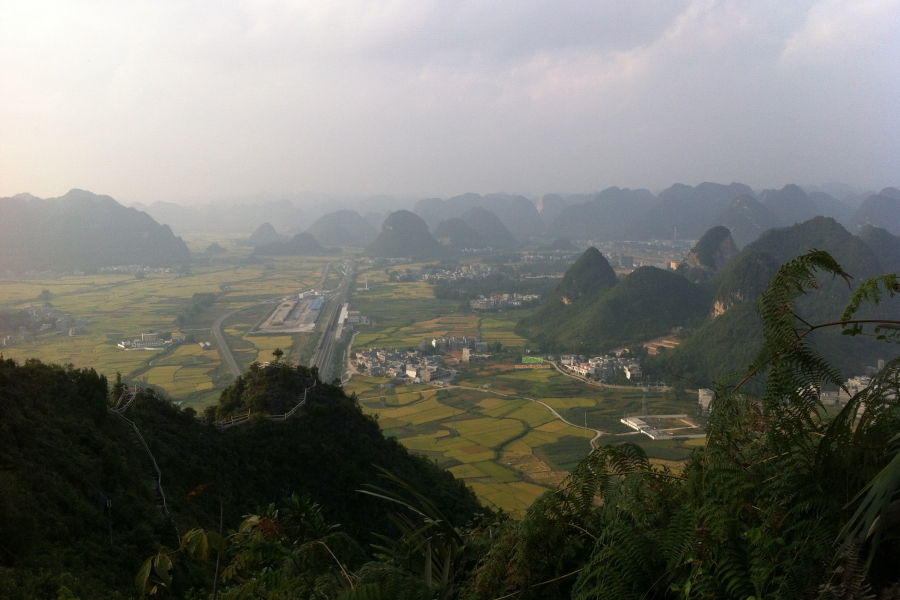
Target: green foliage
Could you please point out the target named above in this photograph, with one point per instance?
(63, 456)
(649, 302)
(198, 303)
(763, 511)
(724, 344)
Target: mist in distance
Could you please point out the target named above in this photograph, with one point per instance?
(200, 101)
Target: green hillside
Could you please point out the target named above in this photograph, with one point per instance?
(587, 313)
(720, 345)
(64, 456)
(589, 275)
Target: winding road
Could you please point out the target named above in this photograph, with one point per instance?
(224, 350)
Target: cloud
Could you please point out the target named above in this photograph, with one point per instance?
(161, 100)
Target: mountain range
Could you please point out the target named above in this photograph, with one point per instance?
(343, 228)
(82, 230)
(711, 300)
(518, 214)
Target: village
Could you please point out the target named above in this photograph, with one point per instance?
(37, 320)
(601, 367)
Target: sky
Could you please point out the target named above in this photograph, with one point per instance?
(178, 100)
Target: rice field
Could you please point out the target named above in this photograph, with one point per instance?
(509, 449)
(120, 306)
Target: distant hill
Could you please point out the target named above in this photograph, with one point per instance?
(790, 204)
(405, 234)
(588, 276)
(215, 248)
(227, 216)
(551, 205)
(589, 312)
(713, 250)
(725, 342)
(302, 244)
(885, 246)
(517, 213)
(343, 228)
(607, 216)
(689, 209)
(265, 234)
(562, 245)
(489, 227)
(456, 234)
(829, 206)
(747, 218)
(82, 230)
(880, 210)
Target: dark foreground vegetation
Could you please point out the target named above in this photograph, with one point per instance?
(76, 487)
(786, 500)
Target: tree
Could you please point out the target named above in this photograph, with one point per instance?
(45, 296)
(277, 353)
(778, 504)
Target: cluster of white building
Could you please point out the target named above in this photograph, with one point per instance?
(135, 269)
(459, 273)
(150, 341)
(601, 367)
(854, 385)
(402, 364)
(456, 344)
(499, 301)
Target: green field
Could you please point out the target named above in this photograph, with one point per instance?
(507, 447)
(121, 307)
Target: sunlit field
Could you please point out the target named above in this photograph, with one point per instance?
(119, 307)
(507, 447)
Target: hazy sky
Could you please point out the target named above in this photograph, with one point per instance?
(175, 99)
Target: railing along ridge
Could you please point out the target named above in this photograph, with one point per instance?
(162, 493)
(234, 421)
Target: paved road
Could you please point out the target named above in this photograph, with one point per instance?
(224, 350)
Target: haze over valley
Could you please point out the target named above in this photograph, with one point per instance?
(450, 301)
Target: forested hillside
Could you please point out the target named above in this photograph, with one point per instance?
(723, 344)
(590, 313)
(75, 486)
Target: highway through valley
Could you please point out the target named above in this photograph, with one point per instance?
(323, 358)
(224, 350)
